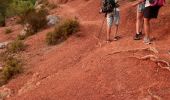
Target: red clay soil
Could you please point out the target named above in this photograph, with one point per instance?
(86, 68)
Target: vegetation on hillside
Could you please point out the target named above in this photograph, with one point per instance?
(62, 31)
(10, 8)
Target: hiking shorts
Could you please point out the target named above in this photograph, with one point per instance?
(140, 7)
(113, 17)
(151, 12)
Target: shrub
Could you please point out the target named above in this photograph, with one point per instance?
(17, 7)
(21, 37)
(37, 20)
(11, 67)
(2, 20)
(52, 6)
(8, 30)
(62, 31)
(16, 46)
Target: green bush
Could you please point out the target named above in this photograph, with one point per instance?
(16, 46)
(8, 30)
(2, 20)
(62, 31)
(4, 4)
(11, 67)
(17, 7)
(37, 20)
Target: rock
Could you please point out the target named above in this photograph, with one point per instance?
(27, 29)
(3, 45)
(52, 20)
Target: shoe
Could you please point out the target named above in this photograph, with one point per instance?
(138, 36)
(146, 40)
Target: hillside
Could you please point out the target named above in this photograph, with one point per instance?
(86, 68)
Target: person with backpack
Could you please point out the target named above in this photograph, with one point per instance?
(111, 10)
(151, 11)
(139, 21)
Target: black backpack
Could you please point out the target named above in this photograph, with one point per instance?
(108, 6)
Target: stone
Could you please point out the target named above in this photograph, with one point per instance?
(52, 20)
(27, 28)
(3, 45)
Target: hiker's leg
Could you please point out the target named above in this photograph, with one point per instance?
(108, 32)
(139, 19)
(116, 31)
(139, 22)
(147, 27)
(116, 20)
(109, 25)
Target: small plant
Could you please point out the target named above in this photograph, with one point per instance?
(62, 31)
(21, 37)
(52, 6)
(8, 31)
(36, 20)
(11, 68)
(16, 46)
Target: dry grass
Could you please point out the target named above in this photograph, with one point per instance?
(16, 46)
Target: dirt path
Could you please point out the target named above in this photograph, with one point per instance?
(81, 69)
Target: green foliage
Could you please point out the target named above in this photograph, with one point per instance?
(3, 9)
(8, 31)
(37, 20)
(16, 46)
(11, 68)
(2, 20)
(62, 31)
(17, 7)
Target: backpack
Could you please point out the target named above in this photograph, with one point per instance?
(157, 2)
(108, 6)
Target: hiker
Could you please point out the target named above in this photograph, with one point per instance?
(139, 21)
(150, 11)
(110, 8)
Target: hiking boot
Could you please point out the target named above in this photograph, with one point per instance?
(138, 36)
(146, 40)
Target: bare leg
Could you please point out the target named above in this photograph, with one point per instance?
(139, 22)
(108, 32)
(116, 32)
(147, 27)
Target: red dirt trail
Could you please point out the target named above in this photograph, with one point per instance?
(86, 68)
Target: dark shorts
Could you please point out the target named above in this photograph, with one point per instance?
(151, 12)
